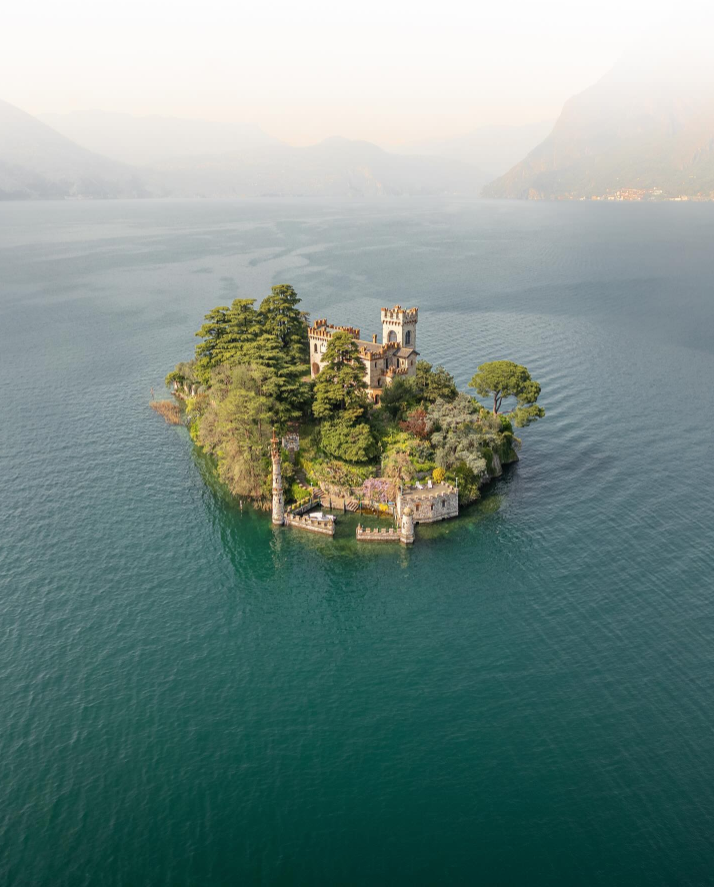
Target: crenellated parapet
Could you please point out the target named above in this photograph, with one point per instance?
(383, 534)
(399, 314)
(321, 329)
(385, 351)
(405, 533)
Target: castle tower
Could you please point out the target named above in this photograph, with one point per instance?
(399, 325)
(278, 505)
(406, 530)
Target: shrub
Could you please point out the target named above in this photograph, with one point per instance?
(417, 424)
(422, 452)
(353, 443)
(439, 475)
(468, 482)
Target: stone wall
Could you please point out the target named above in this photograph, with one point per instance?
(430, 506)
(324, 526)
(365, 534)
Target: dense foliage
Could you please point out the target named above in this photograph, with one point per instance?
(273, 337)
(341, 402)
(236, 427)
(434, 384)
(247, 377)
(250, 374)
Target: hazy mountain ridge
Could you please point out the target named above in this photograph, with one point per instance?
(628, 131)
(335, 167)
(493, 149)
(143, 141)
(37, 162)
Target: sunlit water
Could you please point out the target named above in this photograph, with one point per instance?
(191, 697)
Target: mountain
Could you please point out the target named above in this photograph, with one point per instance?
(640, 127)
(335, 167)
(37, 162)
(493, 149)
(143, 141)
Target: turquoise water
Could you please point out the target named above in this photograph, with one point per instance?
(190, 697)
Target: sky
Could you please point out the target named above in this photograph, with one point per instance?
(388, 72)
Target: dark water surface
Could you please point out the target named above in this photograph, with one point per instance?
(189, 697)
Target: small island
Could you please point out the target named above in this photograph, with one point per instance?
(299, 416)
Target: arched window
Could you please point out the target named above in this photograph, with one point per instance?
(408, 338)
(392, 337)
(315, 348)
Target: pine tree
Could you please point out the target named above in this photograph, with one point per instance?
(226, 335)
(340, 387)
(282, 347)
(341, 401)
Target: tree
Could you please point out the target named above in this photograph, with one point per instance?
(502, 379)
(283, 345)
(459, 436)
(280, 317)
(184, 376)
(434, 384)
(340, 387)
(212, 332)
(417, 423)
(285, 381)
(462, 410)
(341, 401)
(351, 442)
(274, 337)
(468, 482)
(399, 395)
(398, 469)
(460, 445)
(226, 335)
(237, 427)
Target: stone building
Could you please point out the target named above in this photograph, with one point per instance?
(429, 504)
(396, 355)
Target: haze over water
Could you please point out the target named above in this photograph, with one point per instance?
(190, 696)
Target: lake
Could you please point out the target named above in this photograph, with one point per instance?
(193, 697)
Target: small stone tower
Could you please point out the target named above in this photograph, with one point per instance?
(406, 531)
(278, 504)
(399, 325)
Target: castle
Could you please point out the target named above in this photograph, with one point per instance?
(395, 356)
(383, 363)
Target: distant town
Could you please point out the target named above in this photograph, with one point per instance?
(635, 194)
